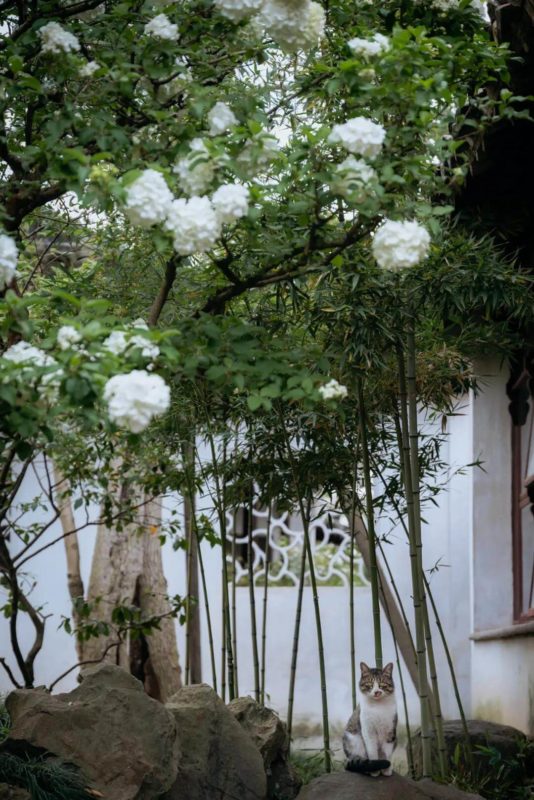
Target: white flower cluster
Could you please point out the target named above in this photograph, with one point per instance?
(293, 24)
(27, 356)
(55, 39)
(448, 5)
(162, 28)
(360, 136)
(221, 119)
(237, 10)
(116, 342)
(400, 244)
(194, 225)
(333, 390)
(369, 47)
(89, 69)
(148, 199)
(135, 398)
(353, 179)
(119, 341)
(67, 337)
(230, 202)
(196, 171)
(8, 260)
(259, 151)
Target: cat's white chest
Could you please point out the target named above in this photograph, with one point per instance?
(377, 718)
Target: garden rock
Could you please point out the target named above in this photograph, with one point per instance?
(503, 738)
(13, 793)
(219, 760)
(350, 786)
(124, 742)
(269, 734)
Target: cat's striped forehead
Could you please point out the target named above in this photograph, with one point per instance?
(372, 675)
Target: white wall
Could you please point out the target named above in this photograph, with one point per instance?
(446, 537)
(502, 667)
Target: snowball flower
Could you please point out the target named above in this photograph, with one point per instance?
(89, 69)
(369, 47)
(8, 260)
(360, 136)
(400, 244)
(116, 342)
(259, 151)
(26, 355)
(162, 28)
(194, 225)
(230, 202)
(333, 390)
(67, 336)
(148, 199)
(221, 118)
(134, 399)
(55, 39)
(196, 170)
(236, 10)
(293, 26)
(148, 349)
(353, 177)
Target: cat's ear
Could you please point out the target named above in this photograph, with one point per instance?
(388, 669)
(364, 668)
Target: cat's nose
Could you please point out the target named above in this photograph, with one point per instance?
(377, 693)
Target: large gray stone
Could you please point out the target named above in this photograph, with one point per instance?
(269, 734)
(504, 738)
(124, 742)
(219, 760)
(350, 786)
(13, 793)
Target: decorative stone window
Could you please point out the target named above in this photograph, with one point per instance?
(277, 539)
(521, 392)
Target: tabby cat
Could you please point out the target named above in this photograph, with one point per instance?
(371, 733)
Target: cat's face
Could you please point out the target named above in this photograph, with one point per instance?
(376, 683)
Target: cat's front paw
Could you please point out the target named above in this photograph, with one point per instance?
(388, 771)
(375, 774)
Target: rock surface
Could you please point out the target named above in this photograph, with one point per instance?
(269, 734)
(124, 742)
(219, 759)
(12, 793)
(349, 786)
(503, 737)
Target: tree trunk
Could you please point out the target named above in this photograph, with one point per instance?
(127, 569)
(72, 547)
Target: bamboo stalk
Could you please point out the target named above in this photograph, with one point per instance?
(438, 716)
(370, 528)
(220, 502)
(409, 749)
(414, 463)
(408, 480)
(207, 606)
(315, 597)
(234, 606)
(295, 645)
(264, 613)
(467, 737)
(351, 578)
(253, 625)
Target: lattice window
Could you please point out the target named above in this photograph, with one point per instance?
(520, 390)
(282, 548)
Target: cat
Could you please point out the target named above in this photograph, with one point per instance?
(371, 733)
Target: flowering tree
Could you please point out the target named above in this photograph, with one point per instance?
(270, 186)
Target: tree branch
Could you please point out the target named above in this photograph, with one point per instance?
(164, 291)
